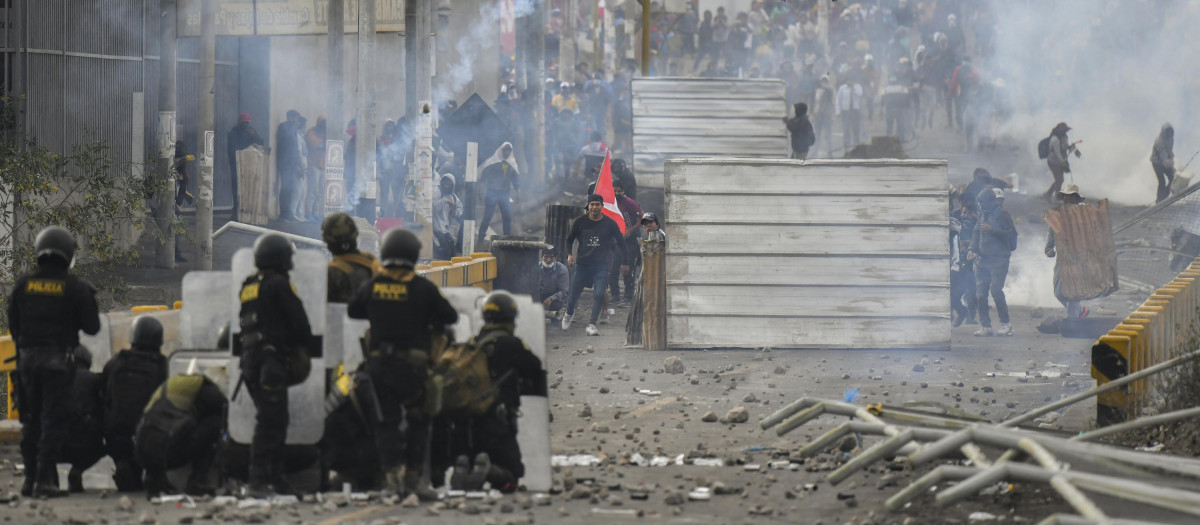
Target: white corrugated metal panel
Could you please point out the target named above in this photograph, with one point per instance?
(689, 117)
(816, 254)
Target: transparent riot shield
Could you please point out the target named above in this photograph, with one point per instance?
(100, 345)
(205, 308)
(343, 337)
(306, 401)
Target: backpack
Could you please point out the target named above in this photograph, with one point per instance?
(163, 429)
(130, 384)
(462, 380)
(1044, 148)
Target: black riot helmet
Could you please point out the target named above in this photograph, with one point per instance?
(146, 334)
(499, 308)
(273, 251)
(339, 233)
(399, 248)
(55, 242)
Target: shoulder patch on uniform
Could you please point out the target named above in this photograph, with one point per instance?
(51, 287)
(249, 292)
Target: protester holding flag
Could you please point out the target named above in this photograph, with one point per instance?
(600, 233)
(631, 213)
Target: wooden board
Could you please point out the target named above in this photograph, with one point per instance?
(808, 332)
(1086, 263)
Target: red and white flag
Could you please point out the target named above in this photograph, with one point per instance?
(604, 189)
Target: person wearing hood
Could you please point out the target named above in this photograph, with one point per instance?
(823, 109)
(242, 136)
(499, 175)
(447, 226)
(801, 130)
(1069, 196)
(1162, 159)
(1060, 151)
(994, 240)
(623, 176)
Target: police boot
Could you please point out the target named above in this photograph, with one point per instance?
(124, 476)
(413, 485)
(258, 486)
(278, 476)
(462, 469)
(198, 482)
(75, 480)
(501, 479)
(30, 477)
(478, 476)
(47, 482)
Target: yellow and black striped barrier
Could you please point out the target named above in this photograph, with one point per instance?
(1163, 326)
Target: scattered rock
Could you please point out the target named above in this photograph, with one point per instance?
(918, 368)
(125, 504)
(675, 498)
(749, 399)
(780, 370)
(848, 443)
(587, 411)
(737, 414)
(673, 365)
(411, 502)
(709, 417)
(146, 518)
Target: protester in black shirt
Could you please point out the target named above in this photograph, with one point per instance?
(599, 236)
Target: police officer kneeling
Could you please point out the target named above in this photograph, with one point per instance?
(515, 371)
(129, 380)
(181, 425)
(47, 309)
(274, 333)
(404, 309)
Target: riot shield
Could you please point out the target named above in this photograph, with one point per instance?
(306, 401)
(342, 336)
(100, 345)
(205, 308)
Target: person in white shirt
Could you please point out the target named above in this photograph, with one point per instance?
(849, 107)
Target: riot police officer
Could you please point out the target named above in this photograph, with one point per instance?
(47, 309)
(491, 438)
(182, 424)
(129, 380)
(404, 310)
(350, 268)
(85, 443)
(274, 325)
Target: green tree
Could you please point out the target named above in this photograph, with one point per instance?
(99, 200)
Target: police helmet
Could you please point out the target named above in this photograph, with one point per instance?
(147, 332)
(83, 357)
(273, 250)
(57, 242)
(339, 232)
(223, 337)
(399, 248)
(499, 308)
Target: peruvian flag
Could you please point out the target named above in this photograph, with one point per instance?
(604, 189)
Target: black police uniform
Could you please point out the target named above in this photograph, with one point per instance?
(129, 380)
(181, 427)
(273, 320)
(519, 372)
(404, 310)
(46, 311)
(85, 441)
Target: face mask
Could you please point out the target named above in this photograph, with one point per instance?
(547, 265)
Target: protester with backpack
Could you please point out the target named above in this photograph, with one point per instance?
(182, 425)
(275, 332)
(129, 380)
(405, 311)
(490, 435)
(995, 240)
(1057, 149)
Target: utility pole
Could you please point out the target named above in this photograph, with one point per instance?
(567, 42)
(334, 125)
(422, 56)
(208, 87)
(535, 78)
(364, 159)
(165, 257)
(645, 38)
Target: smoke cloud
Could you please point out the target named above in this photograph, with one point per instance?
(1114, 70)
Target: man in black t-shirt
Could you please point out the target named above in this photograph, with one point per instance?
(599, 236)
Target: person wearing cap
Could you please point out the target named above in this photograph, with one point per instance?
(1162, 159)
(995, 239)
(1060, 151)
(599, 240)
(554, 283)
(242, 136)
(650, 223)
(1069, 196)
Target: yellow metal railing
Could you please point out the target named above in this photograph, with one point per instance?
(1165, 325)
